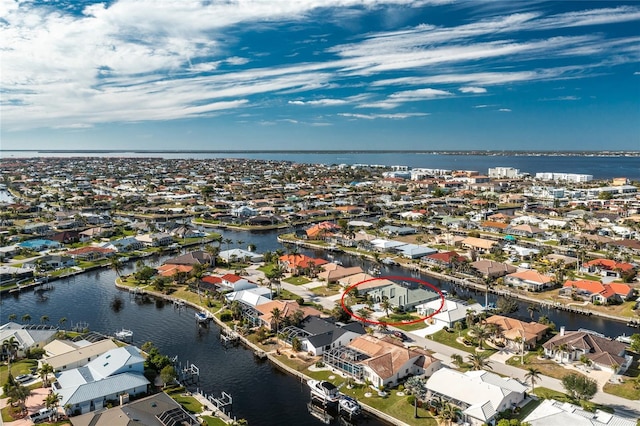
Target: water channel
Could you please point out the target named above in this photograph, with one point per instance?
(262, 394)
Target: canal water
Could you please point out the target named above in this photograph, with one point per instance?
(261, 393)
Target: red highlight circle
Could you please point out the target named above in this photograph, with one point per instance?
(391, 278)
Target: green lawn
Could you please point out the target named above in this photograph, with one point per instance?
(213, 421)
(299, 280)
(630, 389)
(189, 403)
(449, 339)
(17, 368)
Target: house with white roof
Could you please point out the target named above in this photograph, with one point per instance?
(240, 255)
(480, 395)
(449, 312)
(555, 413)
(116, 372)
(251, 297)
(415, 251)
(67, 355)
(236, 283)
(28, 336)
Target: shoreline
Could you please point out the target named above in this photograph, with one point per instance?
(256, 349)
(479, 287)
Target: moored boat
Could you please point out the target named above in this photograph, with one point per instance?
(124, 335)
(326, 391)
(349, 406)
(202, 317)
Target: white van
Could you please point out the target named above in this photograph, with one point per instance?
(42, 414)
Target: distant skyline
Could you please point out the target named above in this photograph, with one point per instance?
(320, 74)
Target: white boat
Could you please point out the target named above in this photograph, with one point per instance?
(124, 335)
(349, 405)
(202, 317)
(624, 339)
(324, 390)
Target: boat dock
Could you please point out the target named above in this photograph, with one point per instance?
(229, 337)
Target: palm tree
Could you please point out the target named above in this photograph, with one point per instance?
(10, 346)
(227, 241)
(12, 317)
(276, 315)
(479, 361)
(532, 309)
(213, 253)
(62, 321)
(533, 375)
(116, 265)
(44, 372)
(240, 243)
(53, 401)
(457, 326)
(481, 333)
(44, 319)
(448, 413)
(456, 359)
(26, 318)
(386, 305)
(364, 315)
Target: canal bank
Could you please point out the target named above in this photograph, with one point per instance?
(467, 283)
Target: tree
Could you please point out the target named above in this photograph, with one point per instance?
(579, 387)
(635, 342)
(479, 361)
(456, 359)
(53, 401)
(481, 333)
(276, 315)
(533, 375)
(12, 317)
(448, 413)
(364, 315)
(26, 318)
(10, 346)
(44, 319)
(386, 305)
(168, 374)
(62, 321)
(44, 373)
(457, 326)
(116, 265)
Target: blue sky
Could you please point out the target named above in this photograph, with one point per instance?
(320, 74)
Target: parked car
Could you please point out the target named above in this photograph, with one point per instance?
(42, 414)
(23, 378)
(400, 335)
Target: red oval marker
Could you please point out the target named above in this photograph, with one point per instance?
(391, 278)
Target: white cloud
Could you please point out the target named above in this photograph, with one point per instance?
(321, 102)
(562, 98)
(398, 116)
(472, 89)
(504, 110)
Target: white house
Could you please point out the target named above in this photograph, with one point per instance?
(240, 255)
(67, 355)
(116, 372)
(236, 282)
(480, 395)
(555, 413)
(451, 312)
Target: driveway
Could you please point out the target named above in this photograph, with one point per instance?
(34, 403)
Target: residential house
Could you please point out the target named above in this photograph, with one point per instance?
(322, 334)
(156, 410)
(352, 280)
(481, 245)
(96, 232)
(518, 334)
(124, 245)
(491, 269)
(13, 274)
(607, 267)
(526, 230)
(28, 336)
(235, 282)
(398, 230)
(198, 257)
(493, 226)
(414, 251)
(102, 380)
(479, 394)
(604, 353)
(36, 228)
(66, 237)
(155, 240)
(384, 362)
(446, 259)
(448, 313)
(332, 272)
(91, 253)
(287, 308)
(530, 279)
(51, 261)
(300, 264)
(382, 245)
(168, 270)
(405, 296)
(67, 355)
(239, 255)
(556, 413)
(597, 292)
(321, 230)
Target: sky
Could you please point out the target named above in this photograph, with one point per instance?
(319, 75)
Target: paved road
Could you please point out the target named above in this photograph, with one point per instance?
(621, 406)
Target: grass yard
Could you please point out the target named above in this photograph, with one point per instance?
(299, 280)
(17, 368)
(546, 366)
(449, 339)
(213, 421)
(630, 389)
(189, 403)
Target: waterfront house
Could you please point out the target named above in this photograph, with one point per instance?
(518, 334)
(361, 277)
(93, 386)
(322, 230)
(198, 257)
(492, 269)
(251, 297)
(449, 313)
(480, 395)
(529, 280)
(398, 230)
(67, 355)
(264, 312)
(414, 251)
(66, 237)
(595, 291)
(384, 362)
(51, 261)
(556, 413)
(526, 230)
(445, 259)
(170, 270)
(91, 253)
(124, 245)
(240, 255)
(13, 274)
(235, 282)
(36, 229)
(155, 240)
(156, 410)
(385, 246)
(604, 353)
(321, 334)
